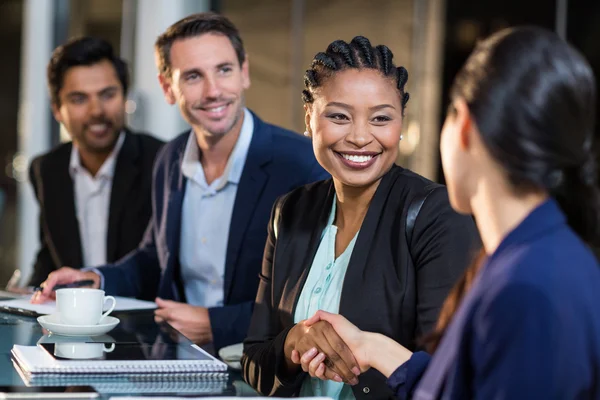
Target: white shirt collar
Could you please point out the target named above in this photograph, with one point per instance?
(192, 168)
(107, 170)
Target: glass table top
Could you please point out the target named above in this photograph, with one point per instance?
(138, 327)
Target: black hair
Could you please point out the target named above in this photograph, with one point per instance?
(359, 53)
(193, 26)
(533, 98)
(83, 51)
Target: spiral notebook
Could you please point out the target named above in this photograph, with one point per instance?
(195, 383)
(124, 358)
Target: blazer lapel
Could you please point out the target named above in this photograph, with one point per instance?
(172, 225)
(177, 184)
(59, 209)
(301, 264)
(357, 266)
(126, 172)
(252, 183)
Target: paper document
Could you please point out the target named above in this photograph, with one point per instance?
(123, 304)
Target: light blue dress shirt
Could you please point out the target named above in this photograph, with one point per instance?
(322, 291)
(205, 220)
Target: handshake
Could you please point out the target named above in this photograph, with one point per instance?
(330, 347)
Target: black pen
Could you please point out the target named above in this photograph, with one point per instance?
(20, 311)
(76, 284)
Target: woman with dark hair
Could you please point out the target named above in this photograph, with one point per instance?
(377, 243)
(524, 321)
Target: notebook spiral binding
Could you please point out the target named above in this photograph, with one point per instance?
(131, 367)
(212, 383)
(214, 387)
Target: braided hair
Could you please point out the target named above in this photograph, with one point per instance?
(359, 53)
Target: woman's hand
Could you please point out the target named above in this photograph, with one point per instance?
(323, 345)
(356, 340)
(371, 350)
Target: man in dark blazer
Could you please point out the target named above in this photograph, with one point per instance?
(213, 191)
(93, 192)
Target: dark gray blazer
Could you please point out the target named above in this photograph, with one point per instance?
(129, 210)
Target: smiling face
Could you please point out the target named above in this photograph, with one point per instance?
(356, 121)
(207, 82)
(92, 106)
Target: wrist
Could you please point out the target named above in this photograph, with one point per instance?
(372, 342)
(94, 277)
(385, 354)
(290, 343)
(206, 314)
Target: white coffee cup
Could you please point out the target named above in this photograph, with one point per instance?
(82, 306)
(82, 351)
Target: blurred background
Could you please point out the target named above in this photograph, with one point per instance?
(431, 38)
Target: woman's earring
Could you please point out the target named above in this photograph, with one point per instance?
(306, 134)
(401, 136)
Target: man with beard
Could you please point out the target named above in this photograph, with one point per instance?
(94, 192)
(214, 188)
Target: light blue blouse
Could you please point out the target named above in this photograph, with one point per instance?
(322, 291)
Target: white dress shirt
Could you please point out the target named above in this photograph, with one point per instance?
(205, 220)
(92, 203)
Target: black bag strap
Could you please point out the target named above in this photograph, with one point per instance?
(413, 212)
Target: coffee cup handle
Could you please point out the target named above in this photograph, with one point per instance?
(112, 306)
(110, 348)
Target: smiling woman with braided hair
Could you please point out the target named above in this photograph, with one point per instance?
(377, 243)
(518, 153)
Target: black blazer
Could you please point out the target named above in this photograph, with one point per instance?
(129, 211)
(383, 290)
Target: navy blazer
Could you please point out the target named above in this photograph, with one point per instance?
(278, 161)
(528, 329)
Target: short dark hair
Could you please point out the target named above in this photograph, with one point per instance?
(192, 26)
(83, 51)
(357, 54)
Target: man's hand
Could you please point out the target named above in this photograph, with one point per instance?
(192, 321)
(60, 277)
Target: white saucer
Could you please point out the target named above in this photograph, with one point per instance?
(53, 338)
(52, 323)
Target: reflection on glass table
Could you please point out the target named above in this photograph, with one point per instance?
(135, 328)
